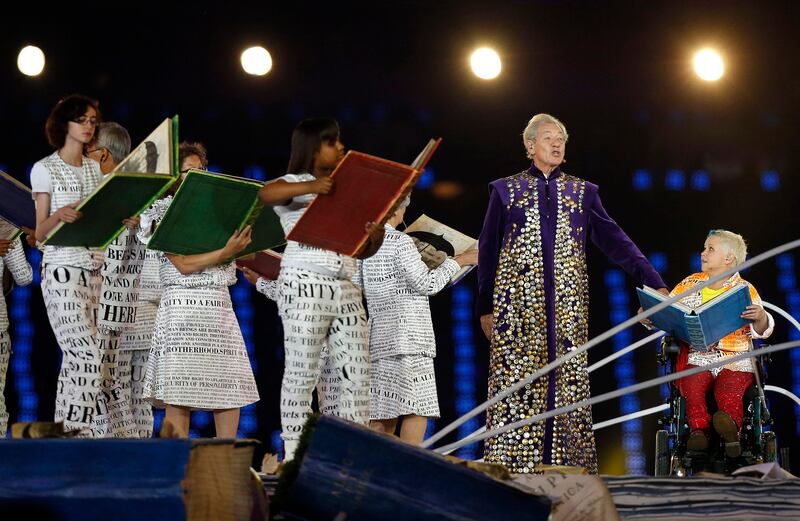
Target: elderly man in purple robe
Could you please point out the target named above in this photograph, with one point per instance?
(533, 300)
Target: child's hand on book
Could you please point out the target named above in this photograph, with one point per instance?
(68, 213)
(132, 222)
(321, 185)
(468, 258)
(5, 247)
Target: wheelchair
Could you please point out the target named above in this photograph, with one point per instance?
(674, 458)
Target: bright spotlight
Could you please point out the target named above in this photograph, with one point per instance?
(256, 61)
(708, 65)
(30, 61)
(485, 63)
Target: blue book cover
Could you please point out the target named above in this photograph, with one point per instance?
(16, 205)
(701, 326)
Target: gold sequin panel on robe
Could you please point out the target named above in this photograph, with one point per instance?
(519, 342)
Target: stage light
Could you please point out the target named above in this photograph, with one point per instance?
(30, 61)
(675, 180)
(485, 63)
(701, 181)
(770, 180)
(642, 180)
(256, 61)
(708, 65)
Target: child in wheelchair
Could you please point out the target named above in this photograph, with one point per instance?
(722, 251)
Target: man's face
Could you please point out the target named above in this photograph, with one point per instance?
(549, 147)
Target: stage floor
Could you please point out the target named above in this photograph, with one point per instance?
(732, 499)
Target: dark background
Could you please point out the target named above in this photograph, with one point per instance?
(618, 74)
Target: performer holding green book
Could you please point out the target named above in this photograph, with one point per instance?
(71, 275)
(198, 359)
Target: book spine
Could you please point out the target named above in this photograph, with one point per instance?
(695, 329)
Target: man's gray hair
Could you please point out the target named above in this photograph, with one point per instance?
(530, 132)
(405, 202)
(114, 138)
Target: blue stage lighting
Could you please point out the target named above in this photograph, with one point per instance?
(427, 178)
(695, 263)
(255, 172)
(675, 180)
(770, 180)
(701, 181)
(642, 180)
(659, 261)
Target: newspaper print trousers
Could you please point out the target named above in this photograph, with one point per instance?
(85, 399)
(5, 354)
(134, 348)
(315, 308)
(132, 368)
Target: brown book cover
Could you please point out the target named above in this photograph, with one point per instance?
(366, 189)
(266, 263)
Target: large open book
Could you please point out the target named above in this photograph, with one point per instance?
(135, 183)
(703, 325)
(436, 242)
(366, 189)
(266, 263)
(207, 208)
(16, 207)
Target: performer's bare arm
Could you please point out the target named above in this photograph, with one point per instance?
(188, 264)
(280, 193)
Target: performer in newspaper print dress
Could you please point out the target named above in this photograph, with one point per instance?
(402, 345)
(533, 300)
(198, 359)
(12, 259)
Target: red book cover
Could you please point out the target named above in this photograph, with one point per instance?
(266, 263)
(365, 189)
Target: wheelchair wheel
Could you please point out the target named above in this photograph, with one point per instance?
(662, 454)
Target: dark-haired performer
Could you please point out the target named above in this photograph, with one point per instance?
(318, 301)
(71, 276)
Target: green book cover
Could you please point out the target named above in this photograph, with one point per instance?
(139, 179)
(206, 210)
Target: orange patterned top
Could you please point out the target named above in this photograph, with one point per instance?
(738, 341)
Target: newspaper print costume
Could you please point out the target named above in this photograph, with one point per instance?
(198, 358)
(16, 263)
(118, 306)
(70, 287)
(401, 341)
(135, 343)
(328, 388)
(318, 302)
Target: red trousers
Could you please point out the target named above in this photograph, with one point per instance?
(729, 387)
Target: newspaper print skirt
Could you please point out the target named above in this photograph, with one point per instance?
(198, 358)
(402, 385)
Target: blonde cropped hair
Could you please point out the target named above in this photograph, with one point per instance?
(733, 242)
